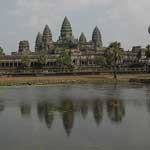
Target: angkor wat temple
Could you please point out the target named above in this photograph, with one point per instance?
(66, 40)
(83, 53)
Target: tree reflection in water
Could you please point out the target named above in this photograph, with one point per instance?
(46, 111)
(98, 111)
(116, 110)
(25, 109)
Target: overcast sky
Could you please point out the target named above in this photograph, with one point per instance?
(122, 20)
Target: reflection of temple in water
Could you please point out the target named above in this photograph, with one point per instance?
(45, 111)
(69, 108)
(67, 113)
(25, 109)
(116, 110)
(98, 111)
(84, 109)
(2, 107)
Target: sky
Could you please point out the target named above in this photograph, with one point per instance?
(126, 21)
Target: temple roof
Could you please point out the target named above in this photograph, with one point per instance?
(66, 29)
(82, 38)
(96, 34)
(47, 33)
(66, 23)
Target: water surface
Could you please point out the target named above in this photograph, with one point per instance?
(75, 117)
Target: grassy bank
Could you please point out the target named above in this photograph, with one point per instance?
(103, 78)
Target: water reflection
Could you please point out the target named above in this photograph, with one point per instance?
(2, 107)
(93, 116)
(67, 112)
(25, 110)
(68, 109)
(98, 111)
(46, 112)
(84, 109)
(116, 110)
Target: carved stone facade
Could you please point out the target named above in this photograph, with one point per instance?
(67, 40)
(24, 47)
(83, 53)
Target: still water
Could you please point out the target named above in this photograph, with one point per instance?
(75, 117)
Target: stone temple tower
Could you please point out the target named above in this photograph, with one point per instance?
(66, 31)
(38, 43)
(96, 38)
(47, 39)
(24, 47)
(82, 39)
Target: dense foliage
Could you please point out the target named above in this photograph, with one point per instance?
(64, 59)
(101, 61)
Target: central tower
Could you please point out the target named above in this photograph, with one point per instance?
(47, 38)
(97, 38)
(66, 34)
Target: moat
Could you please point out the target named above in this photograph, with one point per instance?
(75, 117)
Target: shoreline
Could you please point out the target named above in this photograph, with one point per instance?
(74, 79)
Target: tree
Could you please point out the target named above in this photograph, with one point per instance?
(43, 58)
(108, 58)
(64, 59)
(101, 61)
(26, 60)
(147, 52)
(115, 55)
(1, 50)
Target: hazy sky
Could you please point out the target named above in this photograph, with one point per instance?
(123, 20)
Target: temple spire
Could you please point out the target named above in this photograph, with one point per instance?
(47, 38)
(82, 38)
(66, 30)
(38, 43)
(96, 37)
(47, 34)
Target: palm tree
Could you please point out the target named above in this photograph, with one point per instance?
(115, 55)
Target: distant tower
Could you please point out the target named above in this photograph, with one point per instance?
(38, 43)
(149, 29)
(96, 38)
(47, 38)
(82, 39)
(24, 46)
(66, 31)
